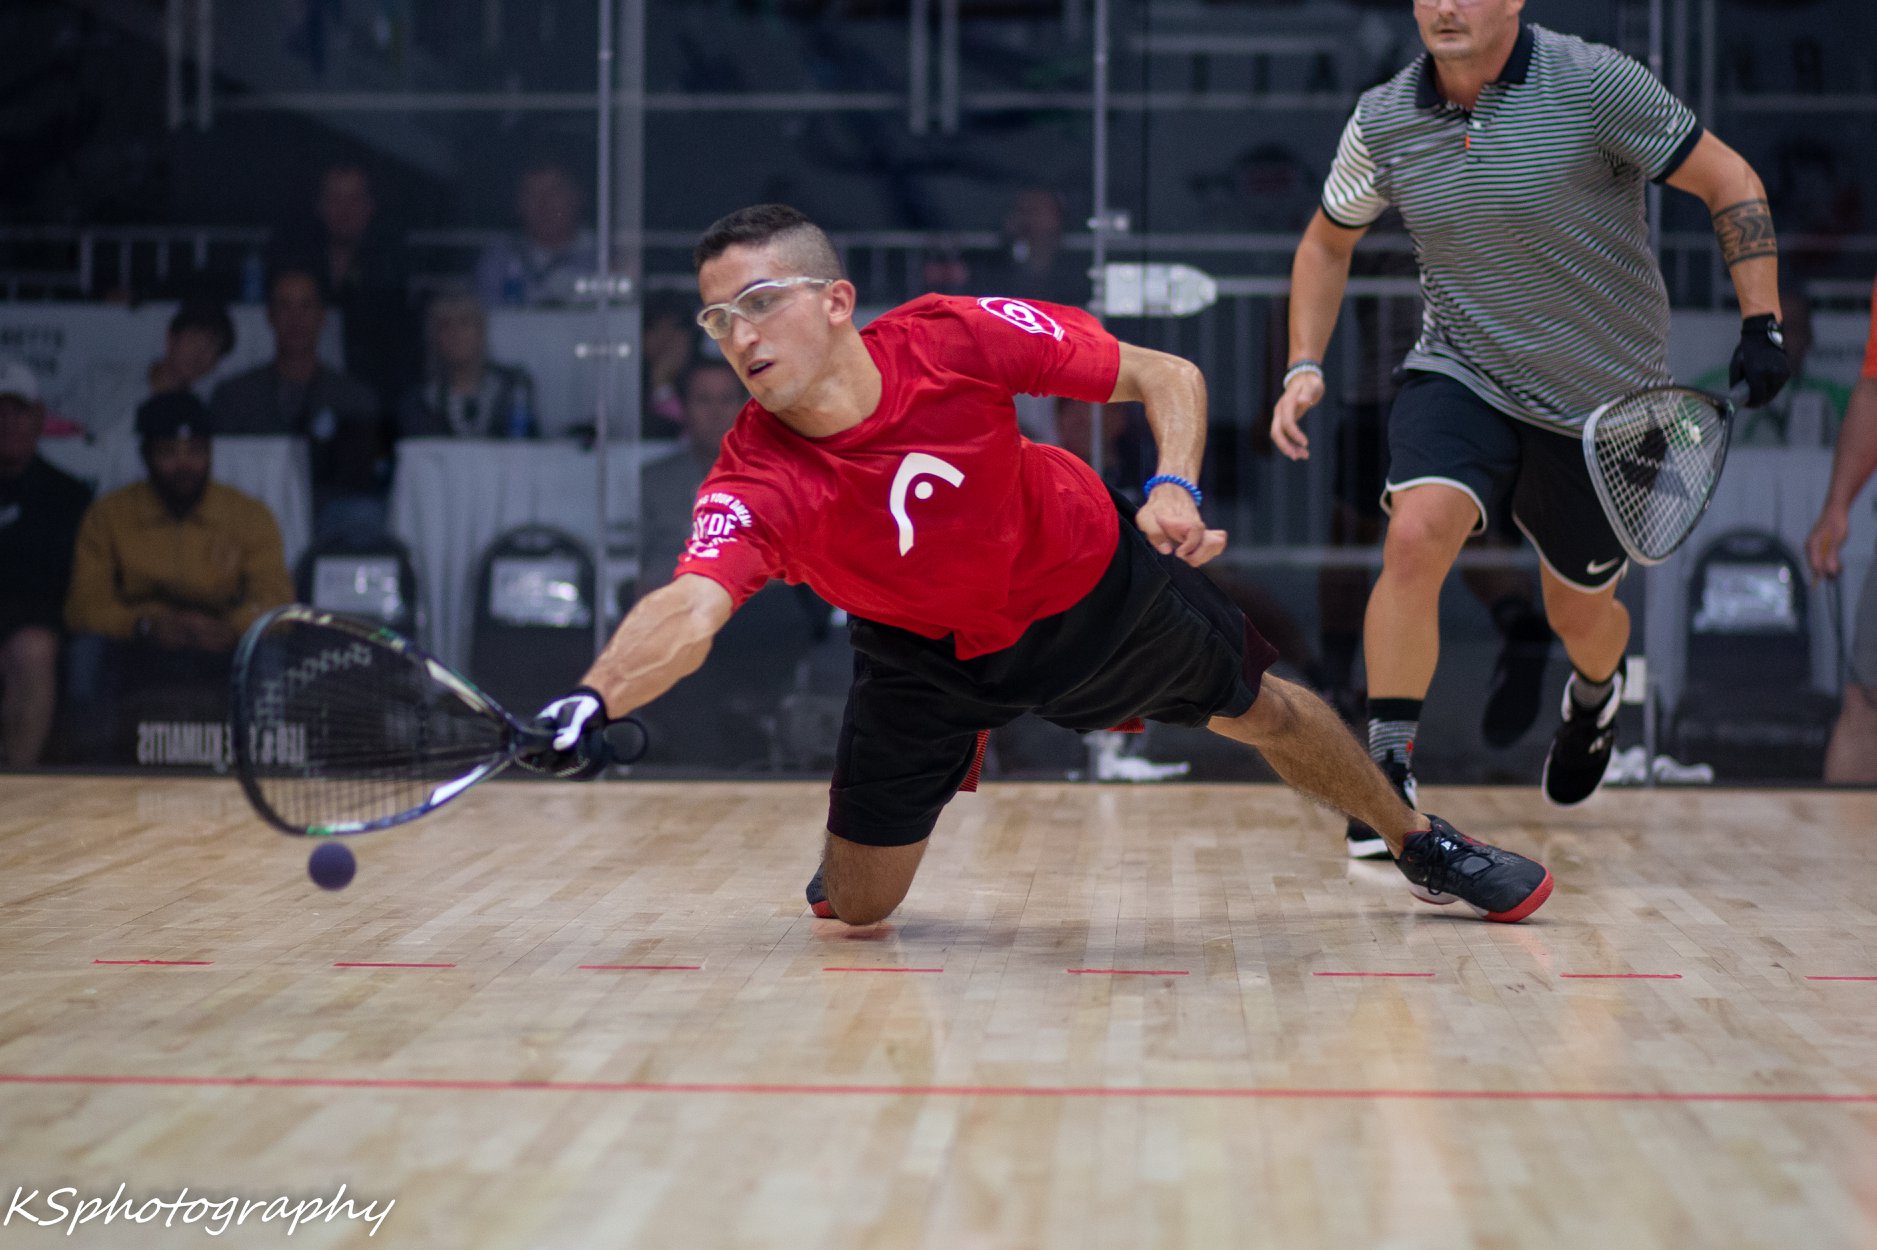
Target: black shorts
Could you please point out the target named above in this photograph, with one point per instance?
(1154, 639)
(1440, 431)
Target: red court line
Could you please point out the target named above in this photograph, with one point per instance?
(641, 967)
(1130, 972)
(1621, 976)
(158, 963)
(1371, 974)
(1841, 978)
(930, 1091)
(365, 965)
(883, 969)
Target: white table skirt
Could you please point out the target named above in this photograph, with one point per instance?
(451, 498)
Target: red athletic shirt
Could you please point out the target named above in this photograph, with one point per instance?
(934, 514)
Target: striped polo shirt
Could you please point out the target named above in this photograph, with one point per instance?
(1529, 220)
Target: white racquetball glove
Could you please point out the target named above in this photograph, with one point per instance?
(577, 721)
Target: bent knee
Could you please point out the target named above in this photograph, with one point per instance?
(865, 883)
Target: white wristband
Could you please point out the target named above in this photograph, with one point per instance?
(1302, 366)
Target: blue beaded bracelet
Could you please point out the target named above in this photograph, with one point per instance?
(1170, 479)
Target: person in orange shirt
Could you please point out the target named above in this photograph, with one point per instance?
(167, 574)
(1852, 755)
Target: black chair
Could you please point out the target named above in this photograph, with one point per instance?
(1748, 706)
(371, 579)
(533, 623)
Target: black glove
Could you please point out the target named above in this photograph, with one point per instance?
(577, 722)
(1760, 360)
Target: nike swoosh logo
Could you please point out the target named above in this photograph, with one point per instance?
(1602, 566)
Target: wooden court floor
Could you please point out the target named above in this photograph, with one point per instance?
(558, 1017)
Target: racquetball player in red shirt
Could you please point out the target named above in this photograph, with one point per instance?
(984, 575)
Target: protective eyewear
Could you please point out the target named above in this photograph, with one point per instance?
(753, 305)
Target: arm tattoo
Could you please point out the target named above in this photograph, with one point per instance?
(1745, 231)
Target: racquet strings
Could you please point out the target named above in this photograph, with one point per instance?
(1659, 455)
(342, 729)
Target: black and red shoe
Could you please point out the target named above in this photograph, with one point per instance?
(818, 898)
(1445, 866)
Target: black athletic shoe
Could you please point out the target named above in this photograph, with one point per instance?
(1580, 753)
(1518, 681)
(1445, 866)
(1362, 841)
(818, 897)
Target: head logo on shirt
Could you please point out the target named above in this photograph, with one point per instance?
(715, 522)
(912, 471)
(1021, 315)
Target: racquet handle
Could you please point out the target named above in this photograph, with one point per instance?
(1737, 395)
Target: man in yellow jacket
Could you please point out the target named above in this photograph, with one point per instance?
(167, 573)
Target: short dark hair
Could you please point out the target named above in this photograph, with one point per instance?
(806, 243)
(205, 314)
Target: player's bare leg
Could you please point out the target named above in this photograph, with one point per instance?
(1592, 625)
(1307, 743)
(1304, 739)
(1401, 627)
(1594, 628)
(865, 883)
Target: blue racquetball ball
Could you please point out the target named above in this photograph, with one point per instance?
(331, 865)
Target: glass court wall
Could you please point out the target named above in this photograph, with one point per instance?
(478, 219)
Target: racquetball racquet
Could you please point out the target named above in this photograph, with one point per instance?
(343, 727)
(1655, 459)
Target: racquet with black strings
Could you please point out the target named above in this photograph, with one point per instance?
(343, 727)
(1655, 459)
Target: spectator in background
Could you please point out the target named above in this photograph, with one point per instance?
(363, 272)
(200, 337)
(552, 253)
(40, 508)
(466, 395)
(710, 396)
(668, 342)
(296, 393)
(1033, 264)
(167, 573)
(1851, 755)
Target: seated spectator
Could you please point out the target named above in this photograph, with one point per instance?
(1033, 263)
(40, 507)
(667, 344)
(364, 272)
(296, 393)
(710, 397)
(544, 263)
(465, 393)
(200, 336)
(727, 712)
(166, 575)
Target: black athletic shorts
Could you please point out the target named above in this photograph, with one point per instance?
(1440, 431)
(1154, 639)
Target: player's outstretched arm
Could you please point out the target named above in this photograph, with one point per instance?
(1174, 393)
(1318, 274)
(663, 639)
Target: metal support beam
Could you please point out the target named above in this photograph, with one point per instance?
(172, 63)
(919, 67)
(949, 66)
(205, 63)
